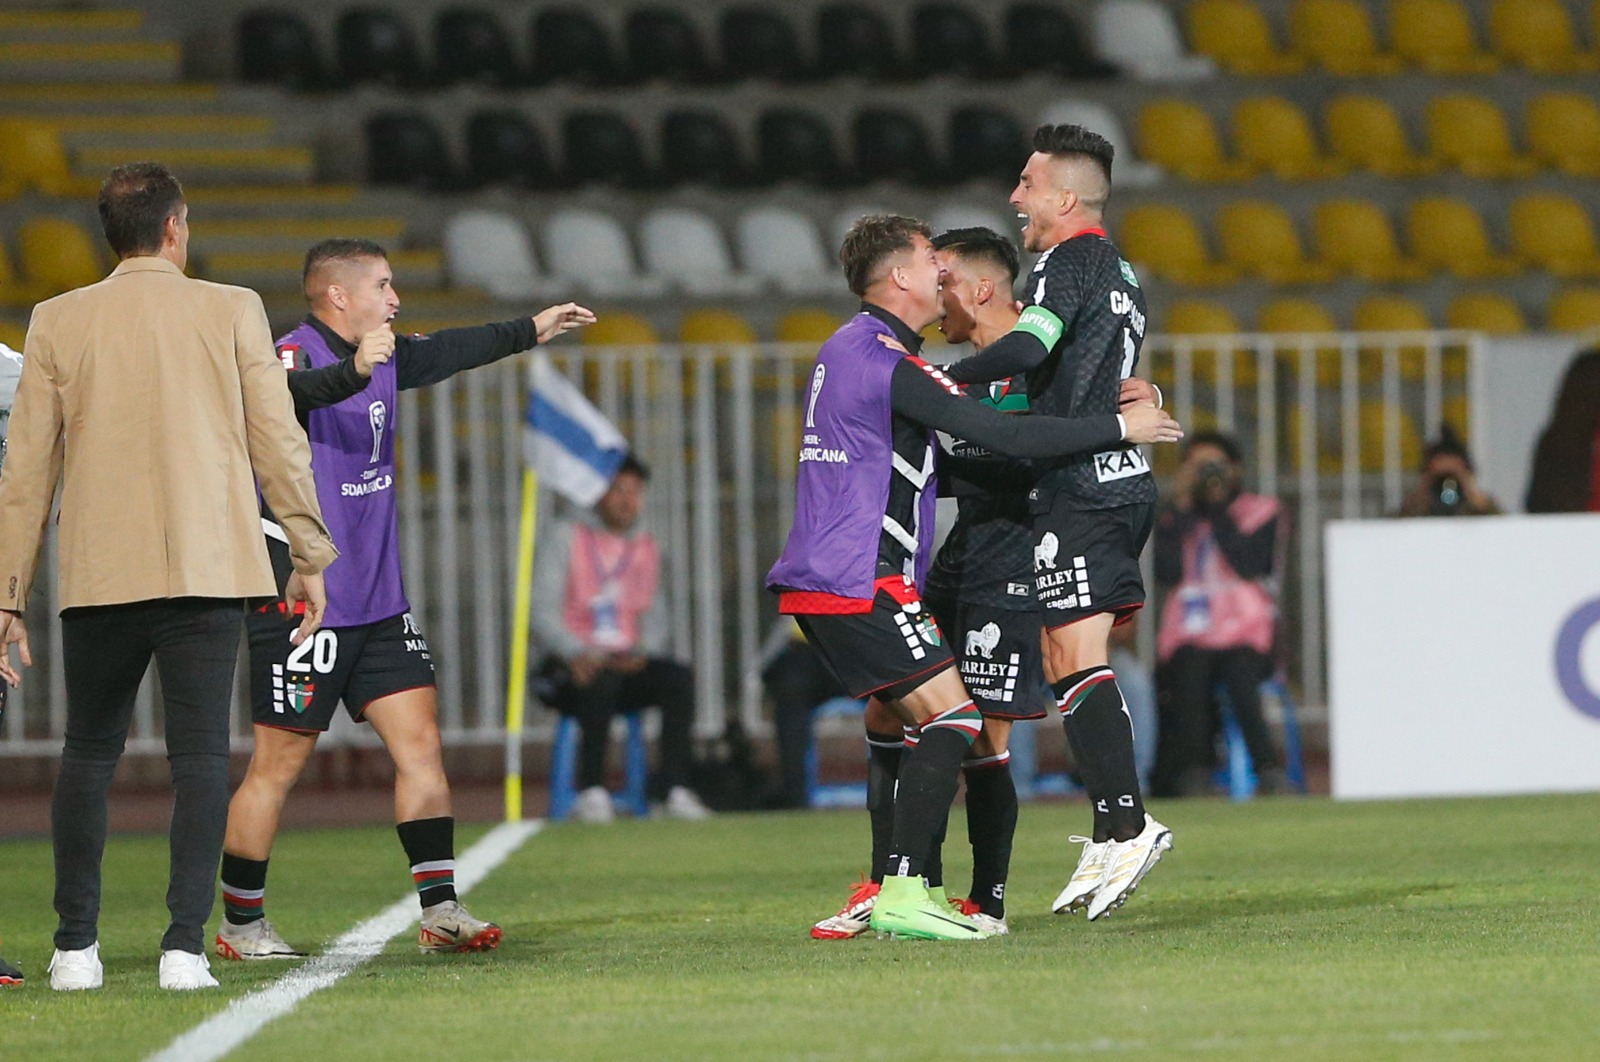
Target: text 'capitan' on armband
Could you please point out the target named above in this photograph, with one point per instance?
(1042, 325)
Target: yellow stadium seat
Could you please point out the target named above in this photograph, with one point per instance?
(1574, 310)
(1192, 317)
(1166, 241)
(1235, 34)
(1391, 313)
(1471, 134)
(1338, 36)
(1374, 422)
(1448, 234)
(616, 329)
(12, 335)
(1181, 137)
(1564, 131)
(715, 326)
(1365, 132)
(1486, 311)
(1538, 36)
(1555, 234)
(1437, 35)
(1354, 237)
(1456, 411)
(1259, 238)
(57, 255)
(808, 326)
(1275, 135)
(1295, 315)
(15, 291)
(31, 156)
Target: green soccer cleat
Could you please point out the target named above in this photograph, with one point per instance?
(904, 909)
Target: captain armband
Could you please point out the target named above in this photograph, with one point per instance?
(1042, 325)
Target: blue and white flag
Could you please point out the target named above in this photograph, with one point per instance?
(571, 445)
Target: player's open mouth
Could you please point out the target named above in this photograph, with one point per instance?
(1022, 218)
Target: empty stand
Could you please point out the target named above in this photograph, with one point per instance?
(1574, 310)
(1438, 36)
(1259, 238)
(620, 329)
(375, 44)
(794, 145)
(277, 47)
(590, 250)
(950, 39)
(1181, 137)
(1041, 38)
(782, 247)
(1128, 171)
(853, 212)
(1486, 311)
(405, 147)
(1272, 133)
(808, 326)
(715, 326)
(568, 45)
(684, 249)
(967, 216)
(893, 145)
(58, 255)
(1198, 317)
(1390, 313)
(1554, 232)
(1563, 130)
(699, 146)
(1365, 132)
(664, 45)
(470, 44)
(986, 144)
(503, 147)
(1447, 234)
(1538, 35)
(1235, 34)
(1470, 133)
(758, 42)
(1295, 315)
(490, 250)
(1338, 36)
(855, 42)
(1165, 240)
(1141, 37)
(603, 146)
(33, 157)
(1355, 237)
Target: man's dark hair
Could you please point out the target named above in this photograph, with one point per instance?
(1075, 140)
(982, 245)
(872, 239)
(135, 202)
(1447, 444)
(339, 249)
(633, 466)
(1226, 443)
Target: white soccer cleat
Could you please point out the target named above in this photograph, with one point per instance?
(1086, 879)
(593, 806)
(991, 926)
(684, 803)
(1127, 862)
(73, 971)
(447, 926)
(253, 940)
(853, 919)
(184, 971)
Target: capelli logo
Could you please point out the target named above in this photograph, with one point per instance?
(1569, 658)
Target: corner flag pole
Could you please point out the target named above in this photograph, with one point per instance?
(517, 680)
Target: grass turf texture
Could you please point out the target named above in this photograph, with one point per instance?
(1438, 929)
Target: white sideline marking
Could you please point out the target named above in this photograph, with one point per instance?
(247, 1015)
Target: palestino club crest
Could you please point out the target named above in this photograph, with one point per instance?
(298, 692)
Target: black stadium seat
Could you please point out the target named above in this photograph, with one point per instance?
(700, 147)
(503, 147)
(854, 41)
(601, 146)
(893, 146)
(664, 45)
(404, 147)
(986, 145)
(568, 45)
(1044, 38)
(278, 47)
(947, 39)
(471, 45)
(760, 43)
(376, 45)
(795, 146)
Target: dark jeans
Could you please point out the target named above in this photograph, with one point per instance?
(797, 681)
(661, 683)
(106, 651)
(1190, 717)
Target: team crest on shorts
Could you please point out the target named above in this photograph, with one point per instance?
(298, 694)
(928, 631)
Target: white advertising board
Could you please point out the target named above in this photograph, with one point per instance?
(1464, 656)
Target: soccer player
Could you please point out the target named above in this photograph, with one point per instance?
(1077, 338)
(860, 543)
(346, 368)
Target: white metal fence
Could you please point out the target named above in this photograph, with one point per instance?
(1331, 424)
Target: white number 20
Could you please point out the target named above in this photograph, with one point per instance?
(318, 652)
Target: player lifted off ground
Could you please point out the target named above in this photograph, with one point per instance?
(861, 539)
(346, 369)
(1076, 340)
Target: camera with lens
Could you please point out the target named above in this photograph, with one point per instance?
(1213, 483)
(1445, 495)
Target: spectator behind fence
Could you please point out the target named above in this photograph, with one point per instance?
(1217, 549)
(600, 621)
(1566, 463)
(1447, 484)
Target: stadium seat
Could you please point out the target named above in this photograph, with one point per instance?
(1437, 35)
(1192, 317)
(1390, 313)
(1365, 132)
(503, 147)
(590, 250)
(278, 48)
(1274, 134)
(405, 147)
(58, 255)
(794, 145)
(1486, 311)
(892, 145)
(374, 44)
(759, 43)
(1448, 234)
(634, 797)
(1354, 236)
(1574, 310)
(1469, 133)
(684, 249)
(808, 326)
(1128, 170)
(664, 45)
(1338, 36)
(715, 326)
(490, 250)
(782, 247)
(1564, 131)
(698, 146)
(1042, 38)
(966, 216)
(1259, 238)
(603, 146)
(1165, 241)
(1373, 417)
(18, 292)
(569, 45)
(1179, 136)
(620, 329)
(1141, 37)
(13, 335)
(1554, 232)
(949, 39)
(32, 156)
(986, 144)
(470, 44)
(1235, 34)
(1537, 35)
(855, 42)
(1295, 315)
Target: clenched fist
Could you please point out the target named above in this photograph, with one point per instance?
(376, 348)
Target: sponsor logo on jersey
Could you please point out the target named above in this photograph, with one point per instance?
(1017, 589)
(1044, 552)
(982, 641)
(1127, 272)
(360, 490)
(811, 449)
(1120, 464)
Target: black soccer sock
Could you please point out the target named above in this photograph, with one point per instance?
(883, 768)
(928, 781)
(1100, 731)
(430, 845)
(933, 866)
(244, 889)
(991, 827)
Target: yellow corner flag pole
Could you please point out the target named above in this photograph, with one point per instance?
(517, 680)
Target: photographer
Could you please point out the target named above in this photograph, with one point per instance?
(1216, 555)
(1447, 485)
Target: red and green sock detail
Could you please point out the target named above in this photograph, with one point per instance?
(244, 889)
(964, 719)
(430, 849)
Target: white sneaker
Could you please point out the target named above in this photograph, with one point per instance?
(1127, 862)
(991, 926)
(684, 803)
(253, 940)
(593, 806)
(1086, 879)
(71, 971)
(184, 971)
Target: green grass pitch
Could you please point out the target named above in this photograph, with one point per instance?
(1278, 929)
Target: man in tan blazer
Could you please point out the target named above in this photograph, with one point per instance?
(159, 403)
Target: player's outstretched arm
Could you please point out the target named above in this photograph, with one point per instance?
(424, 360)
(1024, 347)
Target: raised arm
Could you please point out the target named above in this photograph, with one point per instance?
(424, 360)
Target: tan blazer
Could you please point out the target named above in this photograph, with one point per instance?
(158, 395)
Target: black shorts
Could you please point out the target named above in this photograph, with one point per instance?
(1001, 661)
(1086, 561)
(297, 687)
(887, 652)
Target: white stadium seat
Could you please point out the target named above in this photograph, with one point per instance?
(489, 250)
(966, 216)
(684, 249)
(781, 247)
(590, 249)
(1142, 36)
(1127, 171)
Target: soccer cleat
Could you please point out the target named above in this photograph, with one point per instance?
(593, 806)
(904, 909)
(1086, 879)
(184, 971)
(10, 976)
(253, 940)
(684, 803)
(937, 894)
(448, 927)
(853, 918)
(1127, 862)
(71, 971)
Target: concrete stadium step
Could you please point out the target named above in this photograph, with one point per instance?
(39, 61)
(126, 24)
(280, 270)
(138, 97)
(193, 130)
(270, 200)
(211, 165)
(292, 235)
